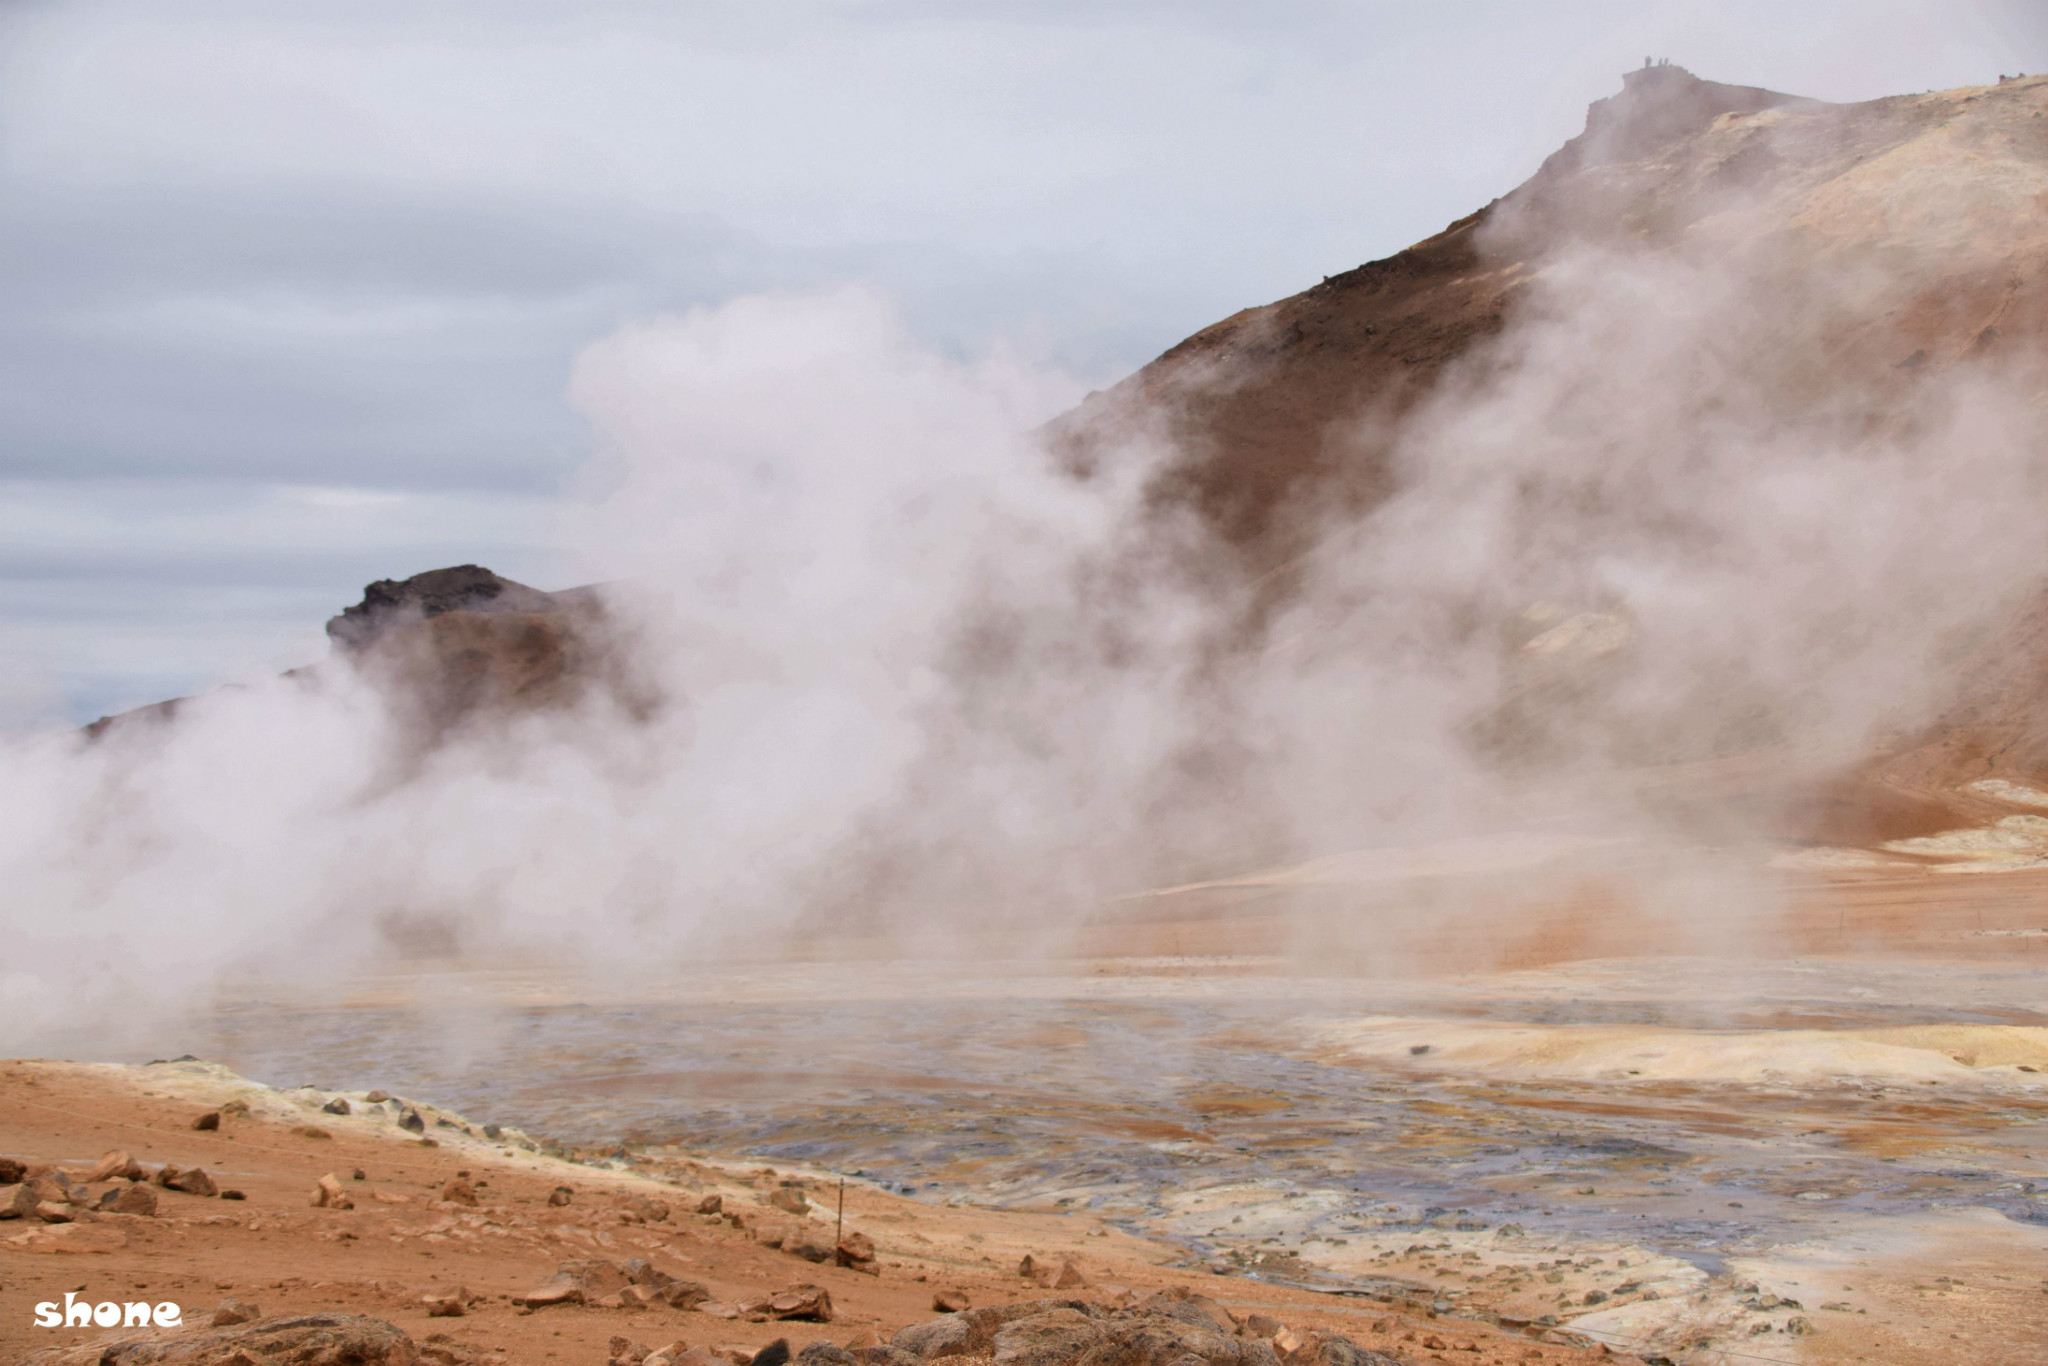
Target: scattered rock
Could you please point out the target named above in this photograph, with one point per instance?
(191, 1180)
(719, 1309)
(114, 1166)
(651, 1210)
(789, 1199)
(560, 1290)
(687, 1356)
(230, 1193)
(625, 1352)
(823, 1353)
(561, 1195)
(950, 1302)
(18, 1201)
(710, 1204)
(446, 1304)
(799, 1243)
(134, 1199)
(460, 1192)
(775, 1353)
(237, 1108)
(595, 1275)
(12, 1171)
(808, 1302)
(377, 1097)
(856, 1250)
(1332, 1349)
(232, 1311)
(54, 1211)
(338, 1106)
(328, 1194)
(312, 1131)
(208, 1121)
(411, 1120)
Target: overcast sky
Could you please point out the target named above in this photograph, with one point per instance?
(290, 290)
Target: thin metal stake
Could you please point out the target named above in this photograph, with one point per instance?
(839, 1230)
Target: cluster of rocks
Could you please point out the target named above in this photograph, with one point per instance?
(854, 1251)
(116, 1184)
(632, 1284)
(308, 1338)
(1171, 1328)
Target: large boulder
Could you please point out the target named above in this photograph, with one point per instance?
(1051, 1338)
(293, 1340)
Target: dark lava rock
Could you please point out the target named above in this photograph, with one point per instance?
(462, 588)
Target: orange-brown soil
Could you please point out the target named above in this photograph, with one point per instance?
(401, 1241)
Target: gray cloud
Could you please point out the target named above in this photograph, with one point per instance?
(358, 245)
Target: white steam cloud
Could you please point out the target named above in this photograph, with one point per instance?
(918, 682)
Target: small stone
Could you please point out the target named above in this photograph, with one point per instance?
(191, 1180)
(810, 1302)
(133, 1199)
(856, 1250)
(411, 1120)
(11, 1171)
(1068, 1277)
(18, 1202)
(719, 1309)
(560, 1290)
(208, 1121)
(53, 1211)
(114, 1166)
(377, 1097)
(561, 1195)
(360, 1175)
(232, 1194)
(950, 1302)
(448, 1304)
(238, 1108)
(789, 1199)
(460, 1192)
(711, 1204)
(232, 1311)
(312, 1131)
(327, 1194)
(338, 1106)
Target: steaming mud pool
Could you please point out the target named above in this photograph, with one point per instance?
(1669, 1153)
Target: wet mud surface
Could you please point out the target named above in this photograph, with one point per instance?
(1199, 1103)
